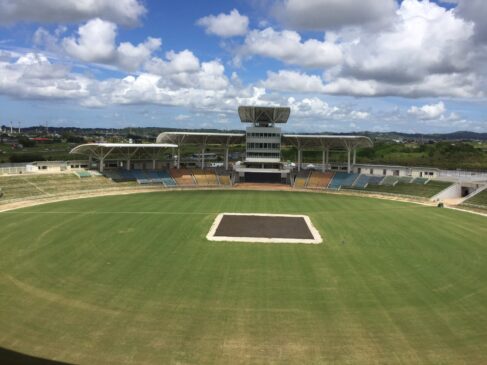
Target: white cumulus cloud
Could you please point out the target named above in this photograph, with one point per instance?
(225, 25)
(327, 14)
(285, 80)
(125, 12)
(33, 76)
(288, 47)
(427, 51)
(476, 11)
(428, 111)
(96, 43)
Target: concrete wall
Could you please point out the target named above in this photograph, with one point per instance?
(452, 192)
(378, 170)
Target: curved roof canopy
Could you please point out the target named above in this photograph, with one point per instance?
(304, 141)
(94, 148)
(319, 141)
(134, 151)
(263, 114)
(200, 138)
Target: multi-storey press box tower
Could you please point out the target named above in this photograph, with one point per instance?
(263, 144)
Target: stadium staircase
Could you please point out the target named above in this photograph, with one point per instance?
(205, 177)
(301, 179)
(361, 182)
(224, 177)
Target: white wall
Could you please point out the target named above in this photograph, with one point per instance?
(452, 192)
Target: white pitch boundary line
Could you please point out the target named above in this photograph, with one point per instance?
(101, 212)
(22, 211)
(314, 232)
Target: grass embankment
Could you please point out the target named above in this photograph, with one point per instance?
(478, 201)
(424, 191)
(46, 185)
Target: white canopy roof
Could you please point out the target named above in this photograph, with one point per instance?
(309, 141)
(304, 141)
(95, 148)
(200, 138)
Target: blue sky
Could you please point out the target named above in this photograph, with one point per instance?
(352, 65)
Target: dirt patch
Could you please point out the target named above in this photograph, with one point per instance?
(262, 186)
(264, 228)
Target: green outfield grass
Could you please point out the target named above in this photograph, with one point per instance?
(132, 280)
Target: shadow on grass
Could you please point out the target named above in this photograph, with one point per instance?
(16, 358)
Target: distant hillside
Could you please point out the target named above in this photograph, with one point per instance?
(154, 131)
(454, 136)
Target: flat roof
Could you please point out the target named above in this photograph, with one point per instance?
(264, 114)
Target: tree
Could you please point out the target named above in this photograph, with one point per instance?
(26, 157)
(26, 142)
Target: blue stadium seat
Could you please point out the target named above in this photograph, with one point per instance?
(361, 182)
(166, 178)
(342, 179)
(375, 180)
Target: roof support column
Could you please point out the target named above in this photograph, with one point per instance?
(348, 159)
(101, 158)
(323, 160)
(90, 161)
(226, 155)
(203, 157)
(327, 159)
(203, 148)
(354, 155)
(153, 154)
(299, 157)
(129, 156)
(180, 143)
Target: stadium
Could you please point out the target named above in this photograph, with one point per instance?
(140, 255)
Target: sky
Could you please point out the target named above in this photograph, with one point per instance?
(341, 65)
